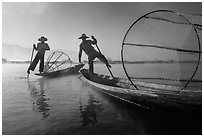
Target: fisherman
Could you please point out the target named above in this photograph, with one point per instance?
(86, 46)
(41, 48)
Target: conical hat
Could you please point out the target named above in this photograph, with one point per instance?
(42, 39)
(83, 36)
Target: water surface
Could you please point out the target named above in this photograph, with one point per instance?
(68, 105)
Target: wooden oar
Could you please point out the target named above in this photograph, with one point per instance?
(106, 59)
(31, 60)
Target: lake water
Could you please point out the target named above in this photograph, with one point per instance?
(68, 105)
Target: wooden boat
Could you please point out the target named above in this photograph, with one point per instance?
(68, 71)
(149, 95)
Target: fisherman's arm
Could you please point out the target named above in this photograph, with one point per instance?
(94, 40)
(47, 47)
(39, 47)
(34, 46)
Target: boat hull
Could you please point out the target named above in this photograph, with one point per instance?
(68, 71)
(146, 97)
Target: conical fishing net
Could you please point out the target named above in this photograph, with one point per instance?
(56, 61)
(164, 47)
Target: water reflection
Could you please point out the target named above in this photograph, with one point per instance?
(89, 111)
(37, 92)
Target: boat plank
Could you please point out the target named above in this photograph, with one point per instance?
(148, 96)
(68, 71)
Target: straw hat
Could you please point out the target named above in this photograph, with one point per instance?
(42, 39)
(83, 36)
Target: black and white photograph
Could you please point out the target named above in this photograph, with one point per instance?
(101, 68)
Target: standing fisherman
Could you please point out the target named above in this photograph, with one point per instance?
(41, 48)
(86, 46)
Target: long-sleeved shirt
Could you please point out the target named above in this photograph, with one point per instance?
(42, 47)
(87, 47)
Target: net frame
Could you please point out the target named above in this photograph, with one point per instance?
(145, 16)
(50, 68)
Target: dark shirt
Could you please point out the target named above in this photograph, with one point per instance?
(42, 47)
(87, 47)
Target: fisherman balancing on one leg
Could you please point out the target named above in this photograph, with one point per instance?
(86, 46)
(41, 48)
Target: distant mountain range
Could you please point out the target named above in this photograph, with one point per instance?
(18, 53)
(15, 53)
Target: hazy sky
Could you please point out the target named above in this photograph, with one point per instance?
(62, 23)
